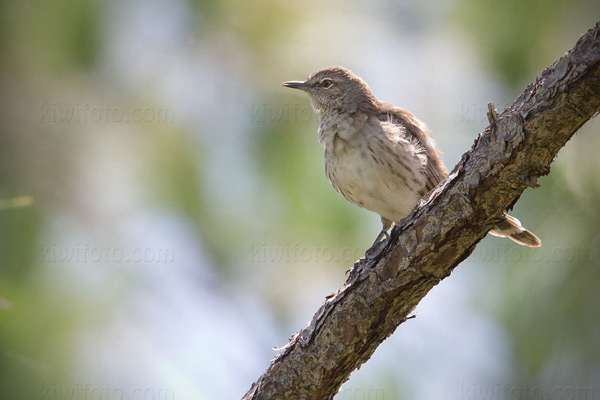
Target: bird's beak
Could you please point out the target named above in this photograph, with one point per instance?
(296, 85)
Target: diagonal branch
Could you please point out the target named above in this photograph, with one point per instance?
(387, 284)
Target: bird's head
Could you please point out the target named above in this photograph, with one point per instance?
(336, 89)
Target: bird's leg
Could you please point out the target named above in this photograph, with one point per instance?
(382, 235)
(387, 224)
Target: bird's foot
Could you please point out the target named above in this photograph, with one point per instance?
(357, 265)
(378, 244)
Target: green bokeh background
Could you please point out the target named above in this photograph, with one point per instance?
(235, 176)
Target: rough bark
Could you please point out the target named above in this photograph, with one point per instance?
(385, 286)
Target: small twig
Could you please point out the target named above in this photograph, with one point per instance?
(492, 114)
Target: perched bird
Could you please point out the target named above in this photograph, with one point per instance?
(377, 155)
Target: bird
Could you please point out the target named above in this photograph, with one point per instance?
(377, 155)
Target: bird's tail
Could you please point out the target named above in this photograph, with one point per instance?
(512, 229)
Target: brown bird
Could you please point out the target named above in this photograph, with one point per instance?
(377, 155)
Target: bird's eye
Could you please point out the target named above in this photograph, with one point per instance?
(326, 83)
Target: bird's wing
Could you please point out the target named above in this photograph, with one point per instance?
(417, 130)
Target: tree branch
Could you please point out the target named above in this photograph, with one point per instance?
(386, 285)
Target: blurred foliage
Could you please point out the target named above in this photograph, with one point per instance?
(520, 38)
(38, 40)
(19, 227)
(50, 36)
(36, 339)
(257, 24)
(175, 175)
